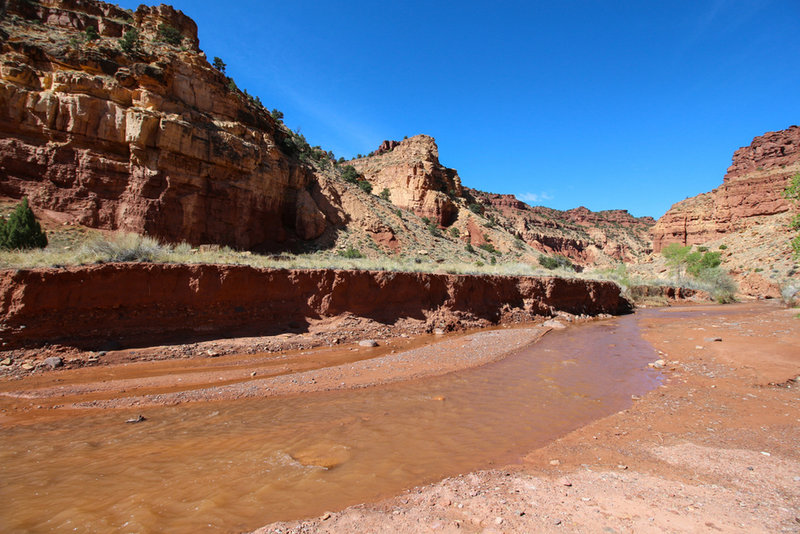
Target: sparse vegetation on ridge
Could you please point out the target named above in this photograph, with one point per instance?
(792, 193)
(169, 35)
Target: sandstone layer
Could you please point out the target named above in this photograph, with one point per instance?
(417, 181)
(153, 140)
(752, 190)
(145, 304)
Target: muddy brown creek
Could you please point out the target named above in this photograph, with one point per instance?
(236, 465)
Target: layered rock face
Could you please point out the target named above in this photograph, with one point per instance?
(84, 307)
(416, 181)
(585, 236)
(751, 190)
(151, 141)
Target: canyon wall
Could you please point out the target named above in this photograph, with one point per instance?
(152, 140)
(751, 190)
(146, 304)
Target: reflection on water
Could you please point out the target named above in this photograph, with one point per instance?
(238, 465)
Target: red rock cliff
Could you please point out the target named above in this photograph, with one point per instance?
(416, 181)
(150, 141)
(752, 188)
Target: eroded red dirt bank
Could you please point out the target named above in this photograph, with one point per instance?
(146, 304)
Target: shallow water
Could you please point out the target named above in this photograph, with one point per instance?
(235, 466)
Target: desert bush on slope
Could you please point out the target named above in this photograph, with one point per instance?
(22, 230)
(700, 270)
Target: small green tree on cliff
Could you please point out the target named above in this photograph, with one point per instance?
(219, 64)
(21, 230)
(793, 194)
(129, 42)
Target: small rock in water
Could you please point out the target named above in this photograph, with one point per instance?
(712, 339)
(326, 516)
(138, 419)
(553, 323)
(367, 343)
(438, 332)
(28, 366)
(555, 462)
(53, 361)
(699, 347)
(7, 361)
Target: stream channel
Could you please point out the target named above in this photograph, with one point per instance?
(234, 466)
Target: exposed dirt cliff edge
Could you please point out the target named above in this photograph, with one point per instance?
(148, 303)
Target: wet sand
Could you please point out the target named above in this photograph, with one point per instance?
(712, 450)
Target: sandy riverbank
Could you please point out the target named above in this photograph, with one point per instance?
(714, 449)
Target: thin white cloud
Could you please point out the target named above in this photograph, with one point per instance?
(532, 198)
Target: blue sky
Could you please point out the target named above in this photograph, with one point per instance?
(605, 104)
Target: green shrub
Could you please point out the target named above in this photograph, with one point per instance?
(698, 262)
(469, 248)
(723, 247)
(434, 230)
(91, 33)
(702, 249)
(385, 194)
(488, 247)
(365, 186)
(129, 42)
(169, 35)
(556, 262)
(493, 260)
(455, 232)
(792, 193)
(350, 174)
(277, 115)
(21, 230)
(474, 207)
(351, 253)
